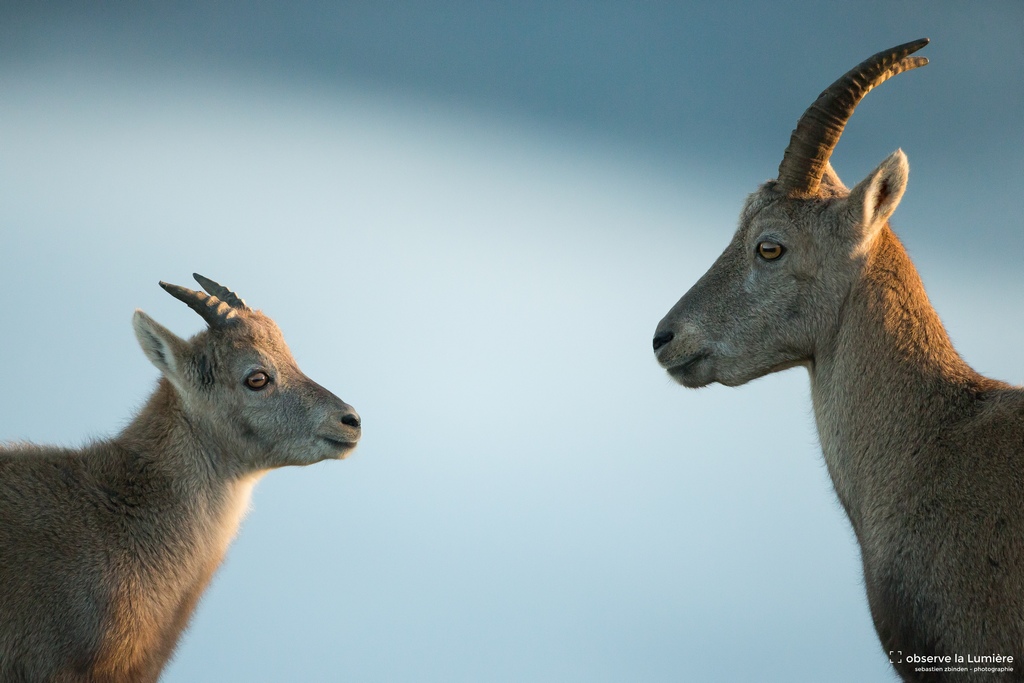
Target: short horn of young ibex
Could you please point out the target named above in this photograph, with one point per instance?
(926, 455)
(105, 550)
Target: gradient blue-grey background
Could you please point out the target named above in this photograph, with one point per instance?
(468, 219)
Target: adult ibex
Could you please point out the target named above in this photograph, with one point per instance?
(926, 455)
(104, 551)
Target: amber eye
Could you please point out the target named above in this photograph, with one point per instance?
(257, 380)
(769, 251)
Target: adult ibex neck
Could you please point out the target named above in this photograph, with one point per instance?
(887, 383)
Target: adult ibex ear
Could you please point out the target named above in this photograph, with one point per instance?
(876, 197)
(164, 349)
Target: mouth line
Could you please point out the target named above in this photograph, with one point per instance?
(681, 369)
(338, 443)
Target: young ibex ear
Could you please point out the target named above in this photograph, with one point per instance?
(163, 348)
(876, 197)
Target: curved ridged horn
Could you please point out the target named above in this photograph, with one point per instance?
(215, 312)
(818, 130)
(221, 292)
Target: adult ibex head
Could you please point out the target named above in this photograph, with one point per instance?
(104, 551)
(926, 455)
(771, 297)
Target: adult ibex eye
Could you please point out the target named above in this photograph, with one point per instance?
(770, 250)
(257, 380)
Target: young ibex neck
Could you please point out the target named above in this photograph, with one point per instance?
(887, 383)
(181, 475)
(165, 434)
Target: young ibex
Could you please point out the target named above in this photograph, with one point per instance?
(104, 551)
(926, 455)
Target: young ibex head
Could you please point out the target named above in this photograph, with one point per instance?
(775, 293)
(240, 386)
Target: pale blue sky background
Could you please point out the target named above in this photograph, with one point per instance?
(468, 220)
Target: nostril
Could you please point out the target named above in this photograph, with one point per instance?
(351, 419)
(662, 338)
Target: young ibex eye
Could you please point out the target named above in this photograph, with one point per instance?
(257, 380)
(770, 251)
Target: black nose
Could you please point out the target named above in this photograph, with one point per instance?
(662, 338)
(350, 419)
